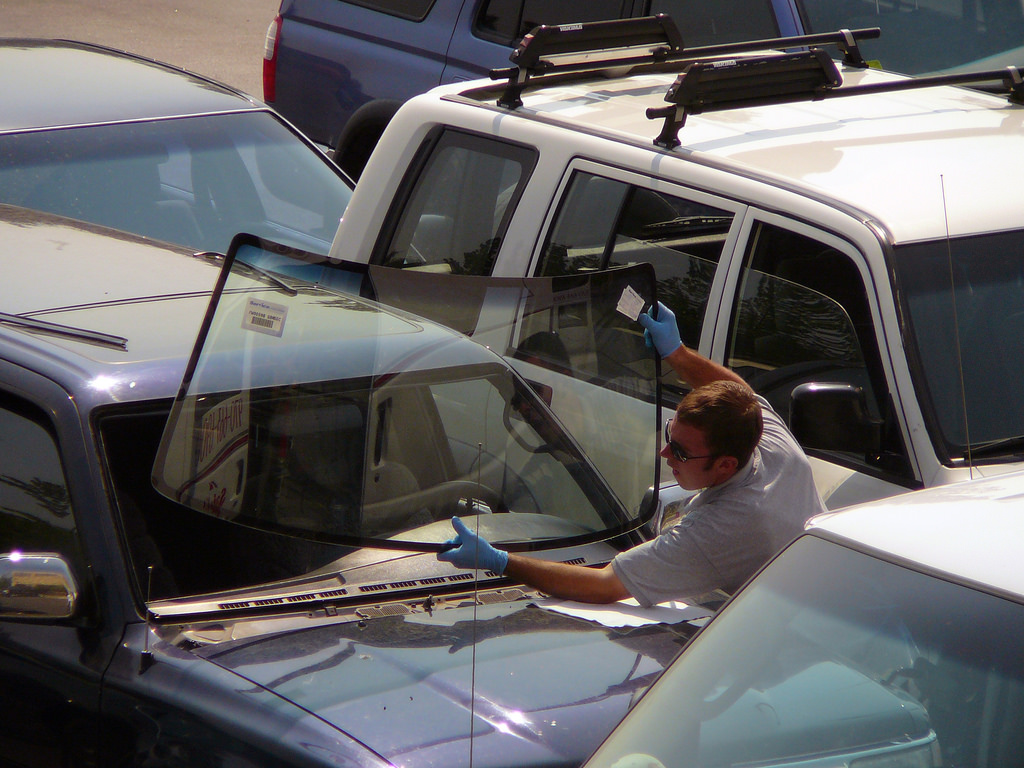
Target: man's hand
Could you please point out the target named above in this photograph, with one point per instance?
(472, 552)
(565, 580)
(661, 329)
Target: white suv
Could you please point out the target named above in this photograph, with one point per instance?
(859, 260)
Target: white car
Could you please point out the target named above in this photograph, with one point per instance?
(858, 260)
(887, 635)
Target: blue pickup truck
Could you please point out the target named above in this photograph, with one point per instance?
(338, 69)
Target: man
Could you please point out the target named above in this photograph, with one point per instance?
(755, 492)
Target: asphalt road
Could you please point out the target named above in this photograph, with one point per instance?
(222, 39)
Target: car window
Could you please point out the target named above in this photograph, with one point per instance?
(801, 315)
(963, 300)
(720, 21)
(928, 35)
(604, 223)
(508, 20)
(563, 333)
(702, 22)
(35, 507)
(833, 657)
(458, 204)
(191, 181)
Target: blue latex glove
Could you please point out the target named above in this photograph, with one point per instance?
(472, 552)
(661, 330)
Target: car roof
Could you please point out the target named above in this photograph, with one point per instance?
(971, 531)
(153, 297)
(901, 158)
(53, 83)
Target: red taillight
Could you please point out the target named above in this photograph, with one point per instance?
(270, 60)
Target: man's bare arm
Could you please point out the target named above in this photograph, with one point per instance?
(692, 367)
(571, 582)
(697, 370)
(567, 581)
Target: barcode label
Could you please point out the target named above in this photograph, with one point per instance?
(264, 317)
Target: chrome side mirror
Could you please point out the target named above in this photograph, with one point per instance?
(36, 585)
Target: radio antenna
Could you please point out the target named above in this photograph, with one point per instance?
(146, 658)
(476, 602)
(956, 330)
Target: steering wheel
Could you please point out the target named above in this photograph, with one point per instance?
(506, 417)
(443, 499)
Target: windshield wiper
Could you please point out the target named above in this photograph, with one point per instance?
(67, 331)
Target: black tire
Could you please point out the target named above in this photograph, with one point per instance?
(361, 133)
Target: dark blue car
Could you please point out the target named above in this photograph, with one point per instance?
(223, 552)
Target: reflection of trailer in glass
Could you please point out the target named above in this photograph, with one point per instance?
(213, 464)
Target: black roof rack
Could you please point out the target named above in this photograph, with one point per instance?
(650, 40)
(712, 77)
(708, 86)
(595, 43)
(717, 84)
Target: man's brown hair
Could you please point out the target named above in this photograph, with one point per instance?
(729, 416)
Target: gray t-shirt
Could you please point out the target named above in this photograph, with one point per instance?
(730, 530)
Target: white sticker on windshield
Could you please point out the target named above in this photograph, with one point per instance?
(630, 303)
(264, 317)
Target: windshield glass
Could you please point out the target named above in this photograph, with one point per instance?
(928, 36)
(564, 334)
(832, 657)
(965, 303)
(315, 415)
(193, 181)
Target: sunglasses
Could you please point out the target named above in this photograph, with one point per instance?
(676, 449)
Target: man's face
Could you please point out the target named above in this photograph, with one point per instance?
(699, 469)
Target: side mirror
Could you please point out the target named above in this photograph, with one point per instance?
(669, 511)
(834, 417)
(543, 391)
(36, 586)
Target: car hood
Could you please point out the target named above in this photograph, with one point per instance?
(508, 684)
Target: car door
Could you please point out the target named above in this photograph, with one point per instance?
(453, 209)
(798, 308)
(50, 667)
(718, 267)
(607, 217)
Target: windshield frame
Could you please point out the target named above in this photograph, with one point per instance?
(302, 291)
